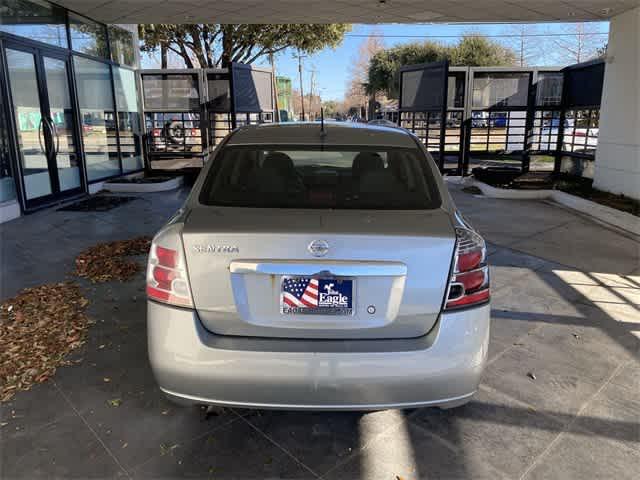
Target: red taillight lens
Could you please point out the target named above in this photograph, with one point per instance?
(167, 279)
(469, 283)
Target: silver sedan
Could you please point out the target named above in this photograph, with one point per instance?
(318, 267)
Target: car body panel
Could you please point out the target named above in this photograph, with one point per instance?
(197, 366)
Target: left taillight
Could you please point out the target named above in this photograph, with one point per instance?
(469, 282)
(167, 279)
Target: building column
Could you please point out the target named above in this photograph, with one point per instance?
(617, 166)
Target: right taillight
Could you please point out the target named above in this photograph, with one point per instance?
(469, 282)
(167, 279)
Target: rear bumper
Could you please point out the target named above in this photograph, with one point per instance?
(193, 365)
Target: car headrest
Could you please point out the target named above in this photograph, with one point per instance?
(366, 162)
(280, 162)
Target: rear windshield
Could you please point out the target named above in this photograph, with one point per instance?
(307, 177)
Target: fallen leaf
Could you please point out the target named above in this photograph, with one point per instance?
(115, 402)
(105, 262)
(39, 327)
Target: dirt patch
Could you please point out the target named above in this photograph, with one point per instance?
(582, 187)
(472, 190)
(38, 328)
(108, 261)
(142, 180)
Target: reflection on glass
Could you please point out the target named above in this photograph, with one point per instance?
(7, 185)
(549, 88)
(128, 119)
(34, 19)
(500, 89)
(29, 122)
(97, 118)
(62, 123)
(88, 36)
(122, 46)
(171, 92)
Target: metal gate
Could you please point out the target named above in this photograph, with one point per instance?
(189, 111)
(423, 104)
(543, 119)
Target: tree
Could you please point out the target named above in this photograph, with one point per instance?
(331, 108)
(583, 42)
(478, 51)
(471, 50)
(384, 65)
(217, 45)
(357, 94)
(524, 42)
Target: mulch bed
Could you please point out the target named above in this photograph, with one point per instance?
(580, 187)
(97, 203)
(38, 328)
(142, 180)
(108, 261)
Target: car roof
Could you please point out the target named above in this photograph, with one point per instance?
(309, 133)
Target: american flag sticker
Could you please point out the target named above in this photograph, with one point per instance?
(305, 295)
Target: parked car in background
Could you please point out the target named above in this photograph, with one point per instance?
(318, 268)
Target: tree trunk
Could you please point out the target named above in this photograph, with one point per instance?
(163, 55)
(227, 46)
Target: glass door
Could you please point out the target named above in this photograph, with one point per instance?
(61, 122)
(44, 121)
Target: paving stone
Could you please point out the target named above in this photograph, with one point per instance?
(579, 456)
(412, 452)
(321, 439)
(31, 409)
(63, 449)
(232, 452)
(614, 414)
(506, 434)
(560, 387)
(586, 246)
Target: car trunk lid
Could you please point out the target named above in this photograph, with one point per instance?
(395, 263)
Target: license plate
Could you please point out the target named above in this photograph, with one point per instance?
(316, 296)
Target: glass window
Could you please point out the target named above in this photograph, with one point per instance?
(122, 46)
(34, 19)
(88, 36)
(97, 116)
(7, 185)
(219, 93)
(128, 119)
(171, 92)
(455, 90)
(315, 177)
(500, 89)
(549, 89)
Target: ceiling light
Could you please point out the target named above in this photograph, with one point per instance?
(571, 14)
(605, 11)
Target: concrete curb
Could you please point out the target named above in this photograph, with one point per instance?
(624, 221)
(171, 184)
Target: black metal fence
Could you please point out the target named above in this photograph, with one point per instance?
(188, 112)
(542, 119)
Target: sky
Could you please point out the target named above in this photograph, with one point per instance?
(332, 66)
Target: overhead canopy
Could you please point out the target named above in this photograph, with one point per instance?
(351, 11)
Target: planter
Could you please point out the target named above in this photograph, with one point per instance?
(144, 185)
(622, 220)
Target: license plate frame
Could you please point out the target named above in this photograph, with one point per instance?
(331, 293)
